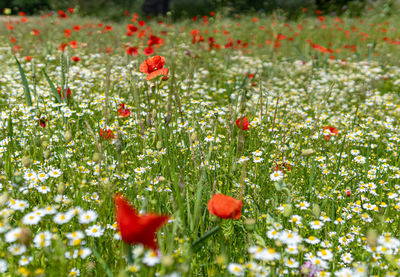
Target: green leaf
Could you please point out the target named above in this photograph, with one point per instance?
(25, 84)
(53, 88)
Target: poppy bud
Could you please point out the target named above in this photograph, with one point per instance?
(18, 178)
(250, 222)
(194, 136)
(68, 136)
(348, 192)
(46, 154)
(159, 145)
(3, 198)
(372, 238)
(161, 178)
(307, 152)
(25, 236)
(60, 188)
(97, 157)
(287, 210)
(316, 210)
(167, 260)
(26, 161)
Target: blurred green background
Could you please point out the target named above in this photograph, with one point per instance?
(113, 9)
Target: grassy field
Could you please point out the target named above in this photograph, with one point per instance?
(298, 121)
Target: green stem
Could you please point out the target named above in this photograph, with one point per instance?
(203, 238)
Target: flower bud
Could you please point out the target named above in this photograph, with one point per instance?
(167, 260)
(26, 161)
(68, 136)
(194, 136)
(372, 238)
(287, 210)
(25, 236)
(60, 188)
(18, 178)
(307, 152)
(250, 222)
(316, 210)
(159, 145)
(97, 157)
(46, 154)
(3, 198)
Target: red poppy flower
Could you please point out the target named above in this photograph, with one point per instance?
(122, 111)
(148, 51)
(62, 14)
(332, 130)
(71, 10)
(62, 46)
(28, 58)
(137, 228)
(106, 134)
(63, 95)
(132, 28)
(42, 122)
(242, 123)
(154, 67)
(225, 206)
(132, 51)
(73, 44)
(75, 59)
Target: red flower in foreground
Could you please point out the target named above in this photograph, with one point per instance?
(242, 123)
(137, 228)
(106, 134)
(63, 95)
(333, 132)
(225, 206)
(122, 111)
(154, 67)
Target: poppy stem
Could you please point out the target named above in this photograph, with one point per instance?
(204, 237)
(128, 252)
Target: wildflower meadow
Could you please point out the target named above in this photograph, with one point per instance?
(245, 145)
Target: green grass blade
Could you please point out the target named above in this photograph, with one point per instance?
(25, 84)
(53, 88)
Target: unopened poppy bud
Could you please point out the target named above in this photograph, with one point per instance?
(168, 119)
(161, 178)
(18, 178)
(3, 198)
(316, 210)
(167, 260)
(25, 236)
(26, 161)
(46, 154)
(287, 210)
(60, 188)
(45, 144)
(90, 266)
(68, 136)
(97, 157)
(307, 152)
(250, 222)
(148, 119)
(194, 136)
(372, 238)
(159, 144)
(220, 259)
